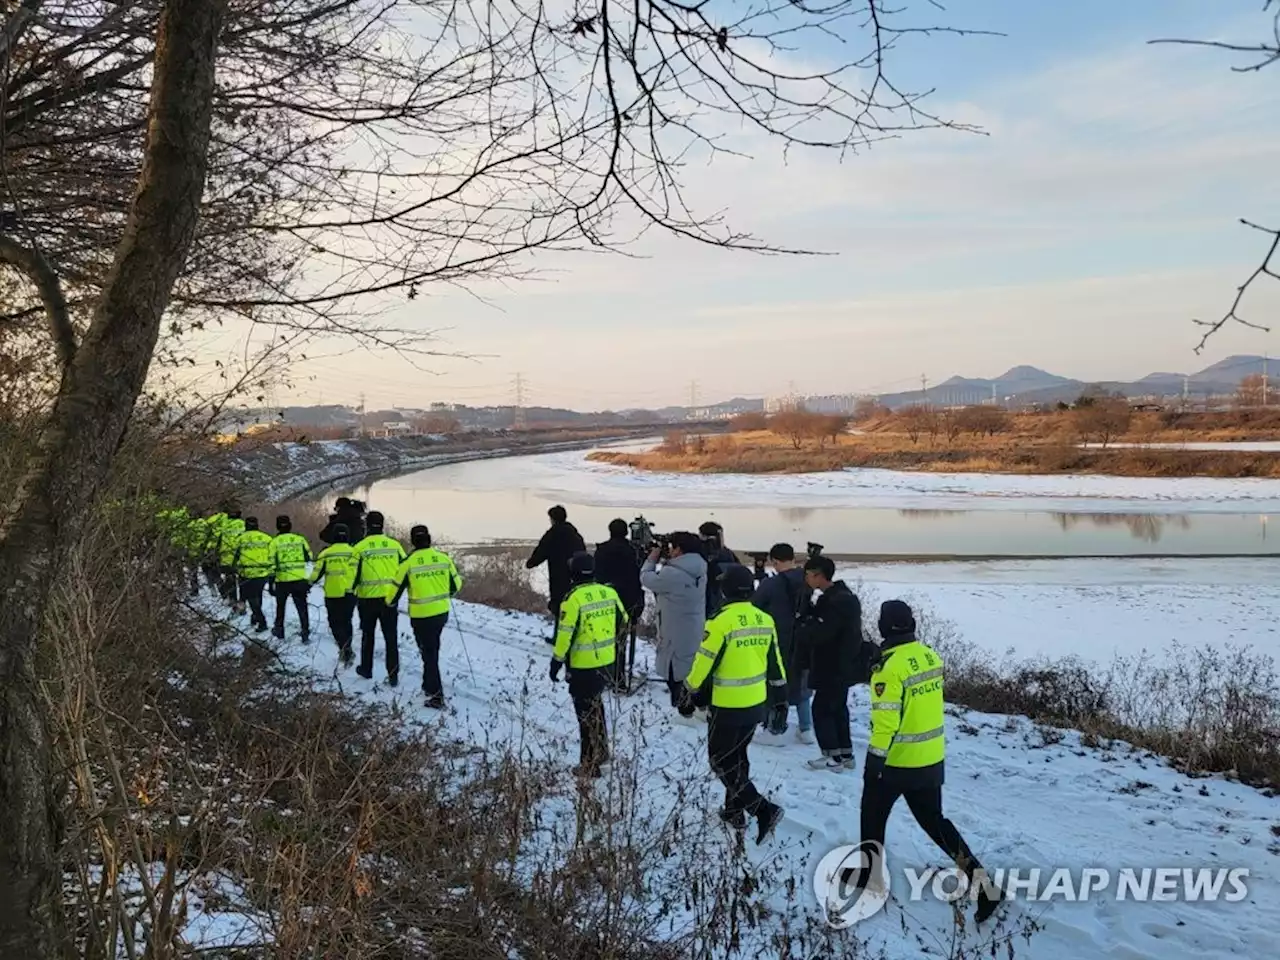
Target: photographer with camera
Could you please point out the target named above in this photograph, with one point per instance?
(719, 558)
(837, 655)
(618, 565)
(679, 587)
(780, 596)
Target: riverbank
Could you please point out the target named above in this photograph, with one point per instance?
(762, 452)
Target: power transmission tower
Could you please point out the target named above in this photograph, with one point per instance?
(362, 426)
(924, 388)
(693, 395)
(1264, 379)
(519, 411)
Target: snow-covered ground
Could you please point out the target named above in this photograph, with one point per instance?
(1021, 799)
(577, 480)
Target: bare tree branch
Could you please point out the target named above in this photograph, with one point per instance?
(33, 263)
(1263, 53)
(1264, 269)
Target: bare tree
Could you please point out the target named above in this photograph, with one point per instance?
(1252, 391)
(1103, 420)
(795, 425)
(1255, 56)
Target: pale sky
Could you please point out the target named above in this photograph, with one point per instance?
(1081, 235)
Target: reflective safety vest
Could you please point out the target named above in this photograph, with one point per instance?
(253, 555)
(212, 530)
(738, 650)
(432, 579)
(591, 617)
(228, 540)
(290, 554)
(337, 564)
(906, 707)
(377, 559)
(197, 535)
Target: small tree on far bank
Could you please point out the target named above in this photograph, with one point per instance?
(1103, 420)
(917, 420)
(795, 425)
(749, 422)
(1252, 392)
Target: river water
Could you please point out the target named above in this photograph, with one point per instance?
(507, 500)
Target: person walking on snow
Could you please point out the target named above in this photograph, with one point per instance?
(779, 596)
(557, 546)
(378, 557)
(837, 655)
(252, 563)
(432, 581)
(906, 754)
(739, 658)
(591, 618)
(290, 554)
(618, 566)
(336, 565)
(680, 591)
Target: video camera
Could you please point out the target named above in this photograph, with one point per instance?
(641, 534)
(814, 549)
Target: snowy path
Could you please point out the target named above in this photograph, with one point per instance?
(1020, 803)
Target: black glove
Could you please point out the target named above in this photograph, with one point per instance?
(872, 767)
(554, 672)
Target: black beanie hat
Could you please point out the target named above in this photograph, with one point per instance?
(341, 533)
(896, 619)
(251, 523)
(283, 523)
(420, 537)
(375, 521)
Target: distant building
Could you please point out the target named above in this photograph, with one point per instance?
(395, 428)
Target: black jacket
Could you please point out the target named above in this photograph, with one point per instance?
(619, 567)
(779, 597)
(354, 520)
(716, 562)
(558, 544)
(831, 641)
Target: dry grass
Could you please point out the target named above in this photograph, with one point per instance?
(1034, 444)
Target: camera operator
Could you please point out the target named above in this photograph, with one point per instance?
(617, 565)
(719, 558)
(780, 596)
(837, 655)
(680, 589)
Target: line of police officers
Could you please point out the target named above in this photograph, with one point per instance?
(736, 666)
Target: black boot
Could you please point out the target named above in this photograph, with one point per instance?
(767, 819)
(987, 903)
(737, 819)
(435, 701)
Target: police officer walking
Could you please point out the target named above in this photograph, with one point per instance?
(906, 752)
(377, 559)
(228, 538)
(252, 563)
(591, 618)
(740, 658)
(432, 580)
(290, 554)
(337, 566)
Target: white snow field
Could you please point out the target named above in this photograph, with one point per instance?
(1020, 798)
(578, 480)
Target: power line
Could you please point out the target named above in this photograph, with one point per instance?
(519, 412)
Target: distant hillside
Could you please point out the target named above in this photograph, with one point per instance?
(1030, 385)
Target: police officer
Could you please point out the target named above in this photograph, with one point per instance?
(209, 547)
(906, 752)
(432, 580)
(739, 656)
(228, 539)
(290, 554)
(252, 562)
(337, 566)
(590, 620)
(377, 559)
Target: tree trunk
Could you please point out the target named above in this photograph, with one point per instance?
(75, 452)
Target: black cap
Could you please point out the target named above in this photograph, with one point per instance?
(896, 619)
(251, 523)
(341, 533)
(420, 537)
(737, 582)
(375, 521)
(582, 566)
(283, 523)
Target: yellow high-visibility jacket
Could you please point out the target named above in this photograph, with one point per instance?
(431, 580)
(738, 652)
(253, 555)
(228, 539)
(290, 554)
(377, 559)
(907, 707)
(337, 564)
(591, 617)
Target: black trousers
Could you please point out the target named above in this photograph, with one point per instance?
(227, 581)
(831, 721)
(878, 798)
(727, 750)
(427, 631)
(681, 699)
(295, 590)
(586, 687)
(340, 611)
(375, 612)
(251, 593)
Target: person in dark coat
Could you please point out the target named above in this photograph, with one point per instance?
(556, 549)
(618, 566)
(837, 655)
(780, 596)
(349, 513)
(719, 559)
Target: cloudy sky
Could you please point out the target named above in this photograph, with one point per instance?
(1081, 234)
